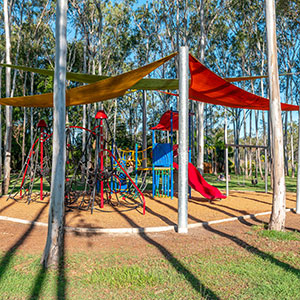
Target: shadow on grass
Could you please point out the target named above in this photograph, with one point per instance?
(61, 280)
(194, 282)
(253, 250)
(265, 223)
(4, 263)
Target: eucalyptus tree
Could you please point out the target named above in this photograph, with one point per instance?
(8, 109)
(277, 220)
(54, 245)
(289, 50)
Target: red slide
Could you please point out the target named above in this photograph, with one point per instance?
(198, 183)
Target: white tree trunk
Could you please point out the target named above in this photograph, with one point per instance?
(54, 245)
(8, 109)
(277, 220)
(245, 141)
(1, 133)
(31, 109)
(200, 105)
(292, 134)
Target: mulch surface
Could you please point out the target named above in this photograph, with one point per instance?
(159, 212)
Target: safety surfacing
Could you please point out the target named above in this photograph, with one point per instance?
(159, 211)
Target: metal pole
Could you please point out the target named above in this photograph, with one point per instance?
(226, 155)
(144, 152)
(42, 162)
(266, 170)
(183, 157)
(298, 171)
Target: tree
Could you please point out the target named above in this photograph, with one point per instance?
(8, 109)
(54, 245)
(277, 220)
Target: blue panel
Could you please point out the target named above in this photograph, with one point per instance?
(162, 155)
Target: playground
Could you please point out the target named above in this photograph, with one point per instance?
(160, 212)
(114, 190)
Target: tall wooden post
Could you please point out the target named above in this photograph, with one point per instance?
(277, 220)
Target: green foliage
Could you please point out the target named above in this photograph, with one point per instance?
(280, 235)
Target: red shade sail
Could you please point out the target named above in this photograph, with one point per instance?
(165, 121)
(208, 87)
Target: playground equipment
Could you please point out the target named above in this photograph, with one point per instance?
(99, 177)
(37, 167)
(164, 155)
(162, 159)
(136, 161)
(91, 173)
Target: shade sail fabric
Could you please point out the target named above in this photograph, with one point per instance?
(109, 88)
(165, 121)
(144, 84)
(208, 87)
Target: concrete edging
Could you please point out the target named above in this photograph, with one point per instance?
(137, 229)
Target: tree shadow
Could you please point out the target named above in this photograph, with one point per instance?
(175, 210)
(61, 280)
(214, 208)
(61, 276)
(163, 218)
(39, 281)
(194, 282)
(253, 250)
(4, 263)
(7, 206)
(265, 223)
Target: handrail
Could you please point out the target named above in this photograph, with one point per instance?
(133, 183)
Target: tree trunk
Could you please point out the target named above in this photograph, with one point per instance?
(200, 137)
(245, 141)
(54, 245)
(200, 105)
(8, 109)
(1, 133)
(256, 142)
(24, 121)
(250, 142)
(292, 134)
(31, 109)
(277, 220)
(285, 138)
(84, 106)
(24, 135)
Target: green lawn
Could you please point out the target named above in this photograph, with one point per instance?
(224, 272)
(240, 183)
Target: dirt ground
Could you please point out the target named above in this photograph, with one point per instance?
(159, 212)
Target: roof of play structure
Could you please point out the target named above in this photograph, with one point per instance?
(165, 121)
(205, 86)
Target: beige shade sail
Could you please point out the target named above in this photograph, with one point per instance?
(102, 90)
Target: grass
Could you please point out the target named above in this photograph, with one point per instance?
(240, 183)
(274, 235)
(223, 272)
